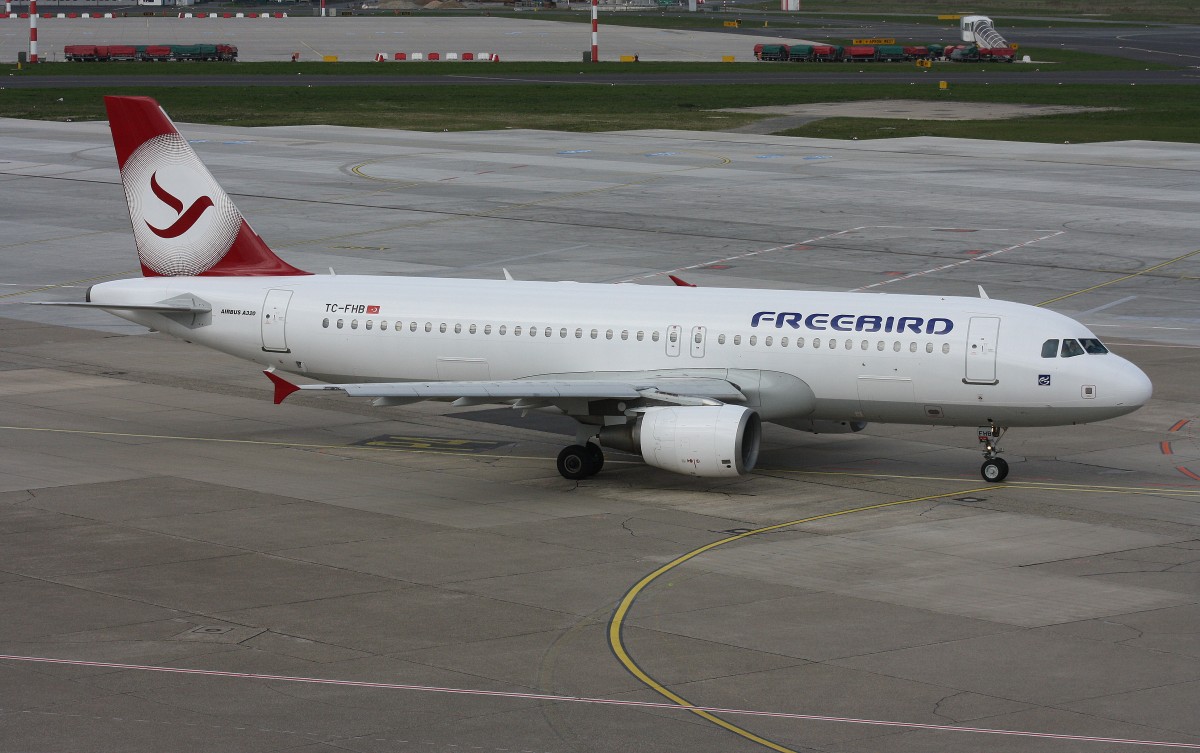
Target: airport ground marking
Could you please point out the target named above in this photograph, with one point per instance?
(616, 625)
(596, 701)
(1130, 276)
(70, 283)
(958, 263)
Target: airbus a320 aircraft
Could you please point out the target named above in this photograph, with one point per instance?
(682, 376)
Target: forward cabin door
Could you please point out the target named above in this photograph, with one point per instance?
(982, 334)
(274, 321)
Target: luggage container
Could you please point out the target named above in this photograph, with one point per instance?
(827, 52)
(775, 52)
(800, 53)
(889, 53)
(122, 52)
(858, 53)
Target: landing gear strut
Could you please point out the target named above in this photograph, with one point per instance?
(994, 468)
(579, 461)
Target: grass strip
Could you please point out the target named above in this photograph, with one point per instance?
(1161, 113)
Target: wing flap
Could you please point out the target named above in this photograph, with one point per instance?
(521, 389)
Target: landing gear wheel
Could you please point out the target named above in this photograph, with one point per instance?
(994, 470)
(575, 462)
(596, 456)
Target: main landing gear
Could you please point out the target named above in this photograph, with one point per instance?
(994, 468)
(580, 461)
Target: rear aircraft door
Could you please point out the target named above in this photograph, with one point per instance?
(982, 335)
(274, 321)
(697, 342)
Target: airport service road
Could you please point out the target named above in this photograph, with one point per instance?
(361, 38)
(156, 510)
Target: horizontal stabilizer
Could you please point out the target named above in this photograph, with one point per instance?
(179, 305)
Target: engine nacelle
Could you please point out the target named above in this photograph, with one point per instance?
(705, 440)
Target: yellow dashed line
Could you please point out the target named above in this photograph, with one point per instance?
(1121, 279)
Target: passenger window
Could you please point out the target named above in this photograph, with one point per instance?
(1071, 348)
(369, 323)
(325, 323)
(799, 342)
(442, 328)
(562, 332)
(412, 326)
(720, 339)
(517, 330)
(767, 341)
(458, 329)
(339, 324)
(608, 335)
(595, 333)
(471, 329)
(879, 345)
(674, 336)
(487, 329)
(945, 347)
(1093, 346)
(428, 326)
(896, 346)
(578, 333)
(849, 344)
(653, 336)
(624, 334)
(640, 335)
(912, 347)
(503, 328)
(353, 324)
(928, 347)
(816, 342)
(700, 337)
(1050, 349)
(866, 344)
(399, 326)
(383, 325)
(549, 332)
(737, 339)
(783, 342)
(754, 339)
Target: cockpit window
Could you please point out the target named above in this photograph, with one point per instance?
(1093, 346)
(1050, 349)
(1071, 348)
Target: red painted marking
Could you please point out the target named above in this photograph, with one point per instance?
(717, 266)
(600, 701)
(895, 274)
(801, 248)
(974, 252)
(1180, 424)
(1166, 448)
(1187, 473)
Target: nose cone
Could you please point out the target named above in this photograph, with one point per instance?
(1131, 388)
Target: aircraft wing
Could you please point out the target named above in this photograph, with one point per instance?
(686, 390)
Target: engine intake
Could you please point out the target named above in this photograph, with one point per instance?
(711, 441)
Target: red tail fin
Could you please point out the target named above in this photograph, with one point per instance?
(183, 223)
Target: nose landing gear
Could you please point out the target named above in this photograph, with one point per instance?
(994, 468)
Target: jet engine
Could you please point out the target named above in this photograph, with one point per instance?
(707, 440)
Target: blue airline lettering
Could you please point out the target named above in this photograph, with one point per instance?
(850, 322)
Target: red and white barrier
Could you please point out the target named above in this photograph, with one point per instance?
(482, 57)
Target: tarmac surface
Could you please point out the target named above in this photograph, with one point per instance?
(157, 511)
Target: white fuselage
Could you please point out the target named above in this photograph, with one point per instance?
(865, 357)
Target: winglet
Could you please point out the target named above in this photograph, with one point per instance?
(283, 387)
(681, 283)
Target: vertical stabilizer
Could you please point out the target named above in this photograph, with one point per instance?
(183, 223)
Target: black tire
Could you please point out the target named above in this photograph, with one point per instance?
(595, 457)
(994, 471)
(575, 462)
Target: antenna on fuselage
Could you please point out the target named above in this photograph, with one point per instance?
(983, 293)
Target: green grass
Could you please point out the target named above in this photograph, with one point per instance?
(1163, 113)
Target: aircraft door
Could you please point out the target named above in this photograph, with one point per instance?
(274, 321)
(982, 336)
(674, 334)
(697, 341)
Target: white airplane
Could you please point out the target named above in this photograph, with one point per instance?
(682, 376)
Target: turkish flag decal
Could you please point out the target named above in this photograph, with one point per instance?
(372, 309)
